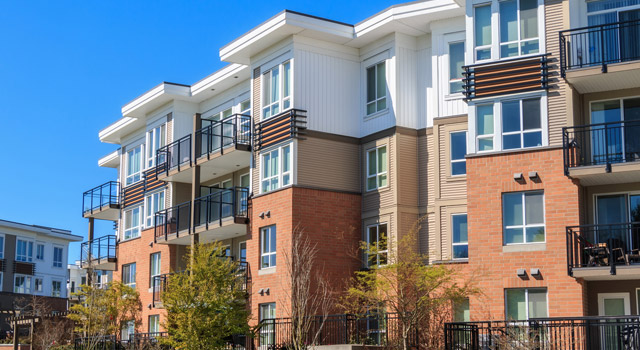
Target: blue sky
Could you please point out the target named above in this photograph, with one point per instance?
(67, 67)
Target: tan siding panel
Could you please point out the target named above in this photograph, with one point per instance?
(423, 170)
(408, 185)
(449, 187)
(384, 197)
(431, 248)
(328, 164)
(431, 166)
(556, 18)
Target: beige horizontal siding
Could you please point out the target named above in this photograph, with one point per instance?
(556, 17)
(329, 164)
(408, 179)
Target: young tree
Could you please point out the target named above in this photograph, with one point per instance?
(308, 294)
(416, 293)
(205, 305)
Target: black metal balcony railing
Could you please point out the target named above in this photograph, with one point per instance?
(599, 45)
(219, 134)
(173, 221)
(107, 194)
(579, 333)
(603, 246)
(222, 204)
(601, 144)
(177, 154)
(289, 124)
(99, 250)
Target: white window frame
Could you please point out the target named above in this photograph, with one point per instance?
(28, 283)
(380, 252)
(35, 285)
(267, 333)
(280, 175)
(132, 276)
(38, 246)
(155, 202)
(153, 263)
(524, 225)
(464, 159)
(156, 329)
(473, 31)
(58, 264)
(281, 99)
(520, 132)
(265, 248)
(378, 173)
(53, 290)
(377, 98)
(29, 246)
(2, 239)
(154, 143)
(136, 177)
(132, 229)
(454, 244)
(526, 301)
(453, 38)
(473, 137)
(519, 40)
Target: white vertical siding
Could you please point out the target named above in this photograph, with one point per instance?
(183, 118)
(406, 105)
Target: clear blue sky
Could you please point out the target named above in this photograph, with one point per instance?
(67, 67)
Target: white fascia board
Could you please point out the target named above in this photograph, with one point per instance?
(49, 231)
(111, 160)
(214, 79)
(110, 134)
(166, 90)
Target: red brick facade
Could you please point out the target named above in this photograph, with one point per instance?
(488, 177)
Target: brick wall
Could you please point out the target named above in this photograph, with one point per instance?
(487, 178)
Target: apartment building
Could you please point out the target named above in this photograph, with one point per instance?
(32, 262)
(78, 277)
(460, 113)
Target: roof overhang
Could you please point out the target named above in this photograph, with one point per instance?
(49, 231)
(111, 160)
(154, 98)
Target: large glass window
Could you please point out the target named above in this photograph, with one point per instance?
(267, 332)
(153, 204)
(459, 243)
(56, 289)
(57, 256)
(485, 131)
(154, 269)
(268, 247)
(482, 27)
(128, 330)
(38, 285)
(521, 124)
(456, 61)
(22, 284)
(458, 151)
(132, 223)
(276, 90)
(518, 27)
(24, 250)
(461, 311)
(523, 216)
(376, 88)
(276, 168)
(377, 236)
(615, 142)
(154, 323)
(134, 165)
(156, 139)
(40, 251)
(129, 275)
(376, 168)
(523, 304)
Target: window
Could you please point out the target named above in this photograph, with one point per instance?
(129, 275)
(523, 216)
(276, 168)
(24, 250)
(376, 168)
(482, 27)
(267, 332)
(242, 256)
(276, 90)
(377, 240)
(484, 114)
(38, 285)
(458, 151)
(83, 281)
(268, 247)
(132, 223)
(461, 311)
(518, 27)
(134, 165)
(155, 269)
(523, 304)
(56, 289)
(73, 287)
(156, 139)
(376, 88)
(128, 330)
(521, 124)
(22, 284)
(154, 323)
(39, 251)
(456, 61)
(1, 246)
(153, 204)
(57, 256)
(460, 244)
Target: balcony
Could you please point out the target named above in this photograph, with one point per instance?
(102, 202)
(173, 159)
(286, 125)
(586, 53)
(600, 332)
(601, 154)
(222, 214)
(173, 225)
(604, 252)
(223, 146)
(99, 254)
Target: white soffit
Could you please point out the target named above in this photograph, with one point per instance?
(111, 160)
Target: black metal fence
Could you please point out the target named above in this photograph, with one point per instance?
(99, 250)
(177, 154)
(219, 134)
(579, 333)
(107, 194)
(601, 144)
(599, 45)
(173, 221)
(603, 246)
(223, 203)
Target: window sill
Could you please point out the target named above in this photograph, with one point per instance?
(129, 239)
(378, 190)
(267, 271)
(452, 261)
(453, 97)
(376, 114)
(524, 247)
(457, 178)
(511, 151)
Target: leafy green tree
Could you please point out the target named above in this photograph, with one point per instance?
(205, 305)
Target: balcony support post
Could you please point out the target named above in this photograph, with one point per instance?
(195, 189)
